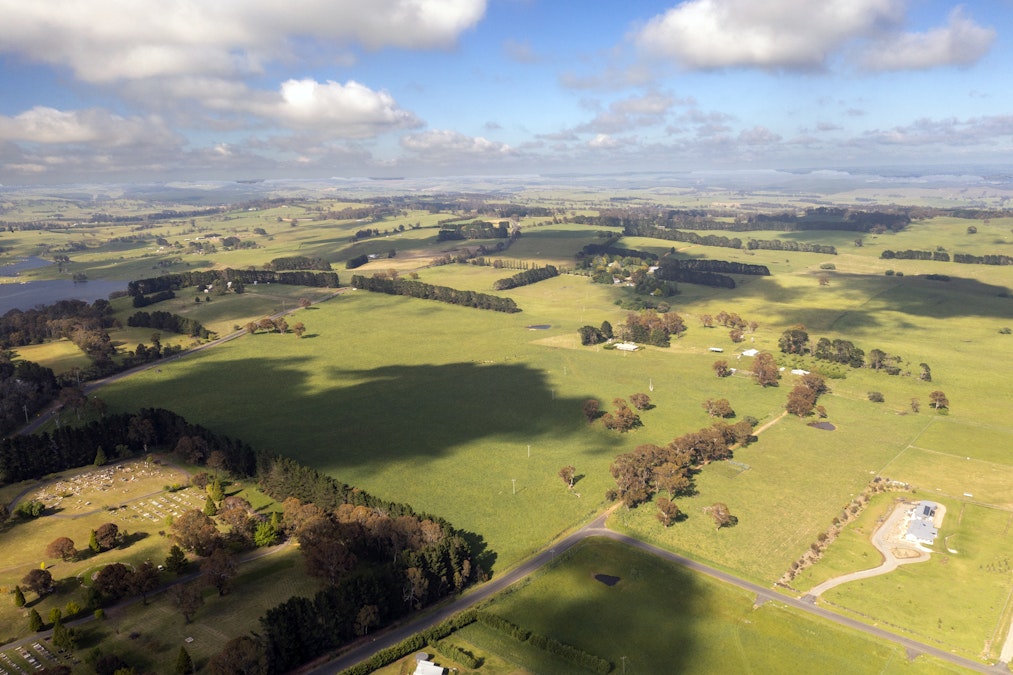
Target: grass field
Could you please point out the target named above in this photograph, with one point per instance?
(662, 618)
(470, 415)
(956, 599)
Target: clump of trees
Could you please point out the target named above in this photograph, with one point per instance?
(652, 327)
(650, 469)
(623, 419)
(589, 335)
(804, 395)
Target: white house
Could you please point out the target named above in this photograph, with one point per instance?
(750, 352)
(423, 667)
(921, 527)
(626, 347)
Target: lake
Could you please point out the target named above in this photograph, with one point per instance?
(32, 293)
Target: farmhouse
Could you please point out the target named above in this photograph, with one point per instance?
(626, 347)
(423, 667)
(920, 527)
(750, 352)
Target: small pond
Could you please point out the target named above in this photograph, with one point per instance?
(607, 579)
(826, 426)
(540, 326)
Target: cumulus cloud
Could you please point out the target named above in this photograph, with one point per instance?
(772, 34)
(442, 145)
(349, 110)
(94, 127)
(805, 35)
(960, 42)
(127, 39)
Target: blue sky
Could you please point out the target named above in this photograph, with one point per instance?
(113, 90)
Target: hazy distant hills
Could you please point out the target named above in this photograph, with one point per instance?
(975, 183)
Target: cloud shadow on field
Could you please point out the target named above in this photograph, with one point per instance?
(371, 417)
(867, 295)
(426, 410)
(649, 614)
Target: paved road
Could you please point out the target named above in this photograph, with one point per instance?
(597, 528)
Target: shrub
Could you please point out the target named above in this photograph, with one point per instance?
(875, 397)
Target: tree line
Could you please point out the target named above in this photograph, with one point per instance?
(174, 323)
(476, 229)
(176, 281)
(939, 256)
(526, 277)
(300, 262)
(418, 289)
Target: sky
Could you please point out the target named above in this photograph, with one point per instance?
(167, 90)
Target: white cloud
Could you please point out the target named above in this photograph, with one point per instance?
(772, 34)
(635, 111)
(441, 144)
(94, 127)
(758, 135)
(115, 40)
(349, 110)
(604, 141)
(960, 42)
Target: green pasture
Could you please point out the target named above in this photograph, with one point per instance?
(852, 550)
(798, 479)
(60, 355)
(225, 312)
(447, 391)
(949, 434)
(663, 618)
(941, 473)
(958, 598)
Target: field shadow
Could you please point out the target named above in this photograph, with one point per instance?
(425, 410)
(369, 417)
(648, 613)
(913, 295)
